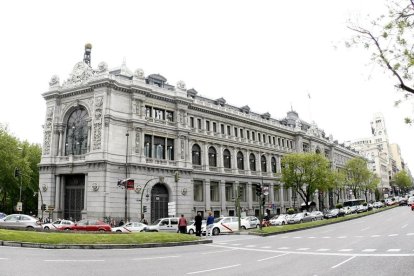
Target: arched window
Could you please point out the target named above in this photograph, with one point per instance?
(77, 132)
(273, 164)
(196, 155)
(240, 161)
(252, 161)
(264, 163)
(227, 159)
(212, 157)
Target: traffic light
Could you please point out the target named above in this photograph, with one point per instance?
(176, 176)
(240, 192)
(258, 190)
(263, 200)
(145, 209)
(17, 172)
(43, 207)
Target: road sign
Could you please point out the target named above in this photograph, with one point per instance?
(266, 190)
(19, 206)
(172, 208)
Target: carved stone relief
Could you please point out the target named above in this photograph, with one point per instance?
(48, 131)
(137, 140)
(97, 124)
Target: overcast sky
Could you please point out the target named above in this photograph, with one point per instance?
(266, 54)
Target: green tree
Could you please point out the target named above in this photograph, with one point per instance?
(357, 174)
(305, 173)
(402, 181)
(388, 39)
(370, 184)
(337, 183)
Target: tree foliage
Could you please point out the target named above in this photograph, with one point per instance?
(402, 180)
(357, 175)
(24, 156)
(305, 173)
(389, 39)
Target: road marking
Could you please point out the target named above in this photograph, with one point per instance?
(251, 245)
(218, 251)
(392, 235)
(323, 249)
(3, 258)
(74, 260)
(341, 237)
(277, 256)
(359, 236)
(303, 249)
(345, 250)
(311, 237)
(236, 244)
(393, 250)
(347, 260)
(410, 234)
(213, 269)
(283, 248)
(326, 237)
(154, 258)
(405, 225)
(369, 250)
(266, 247)
(297, 237)
(365, 229)
(375, 236)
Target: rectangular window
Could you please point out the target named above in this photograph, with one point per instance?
(248, 134)
(199, 123)
(283, 142)
(269, 139)
(259, 137)
(148, 146)
(222, 129)
(276, 193)
(274, 140)
(208, 125)
(198, 190)
(254, 195)
(278, 141)
(228, 130)
(243, 192)
(264, 138)
(148, 111)
(159, 147)
(235, 132)
(229, 192)
(214, 191)
(169, 116)
(286, 195)
(170, 149)
(159, 114)
(214, 127)
(192, 122)
(241, 133)
(253, 136)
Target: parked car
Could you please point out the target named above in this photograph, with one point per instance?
(279, 220)
(20, 220)
(164, 224)
(250, 222)
(225, 225)
(56, 224)
(412, 207)
(130, 227)
(301, 217)
(345, 210)
(410, 200)
(87, 225)
(362, 208)
(378, 204)
(191, 227)
(317, 215)
(333, 213)
(354, 209)
(2, 215)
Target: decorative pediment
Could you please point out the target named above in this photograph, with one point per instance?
(81, 73)
(191, 93)
(266, 115)
(221, 101)
(245, 109)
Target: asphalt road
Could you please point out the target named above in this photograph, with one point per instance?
(380, 244)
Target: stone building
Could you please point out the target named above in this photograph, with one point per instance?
(186, 153)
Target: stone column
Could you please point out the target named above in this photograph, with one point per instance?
(281, 196)
(59, 153)
(246, 162)
(223, 195)
(205, 157)
(207, 194)
(220, 159)
(249, 195)
(271, 193)
(234, 161)
(57, 194)
(278, 164)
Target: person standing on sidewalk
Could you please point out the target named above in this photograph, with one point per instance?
(182, 224)
(197, 223)
(210, 221)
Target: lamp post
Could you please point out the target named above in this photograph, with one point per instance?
(143, 189)
(126, 177)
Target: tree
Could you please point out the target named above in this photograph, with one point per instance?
(337, 183)
(305, 173)
(357, 174)
(402, 181)
(389, 39)
(370, 184)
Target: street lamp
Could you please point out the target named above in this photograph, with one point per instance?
(126, 177)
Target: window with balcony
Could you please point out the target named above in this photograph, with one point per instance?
(273, 165)
(192, 122)
(199, 123)
(148, 146)
(159, 114)
(169, 116)
(208, 125)
(159, 147)
(214, 127)
(229, 192)
(77, 132)
(236, 133)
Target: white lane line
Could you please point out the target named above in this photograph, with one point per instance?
(323, 250)
(213, 269)
(410, 234)
(250, 245)
(341, 237)
(394, 250)
(311, 237)
(74, 261)
(326, 237)
(365, 229)
(369, 250)
(283, 248)
(4, 258)
(236, 244)
(297, 237)
(375, 236)
(347, 260)
(392, 235)
(277, 256)
(359, 236)
(218, 251)
(154, 258)
(345, 250)
(266, 247)
(303, 249)
(405, 225)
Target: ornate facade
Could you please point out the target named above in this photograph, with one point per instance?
(194, 153)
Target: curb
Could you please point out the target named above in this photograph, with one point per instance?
(99, 246)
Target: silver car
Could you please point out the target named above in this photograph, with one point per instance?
(19, 220)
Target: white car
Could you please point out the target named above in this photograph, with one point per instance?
(249, 222)
(21, 221)
(225, 225)
(279, 220)
(56, 224)
(130, 227)
(191, 227)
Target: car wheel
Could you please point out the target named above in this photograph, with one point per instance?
(118, 231)
(243, 227)
(101, 230)
(67, 229)
(257, 226)
(191, 231)
(30, 227)
(216, 231)
(46, 228)
(300, 221)
(283, 223)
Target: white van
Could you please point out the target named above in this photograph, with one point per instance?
(164, 224)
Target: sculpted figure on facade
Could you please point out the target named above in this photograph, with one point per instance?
(181, 85)
(54, 81)
(137, 140)
(97, 124)
(298, 124)
(48, 131)
(102, 67)
(139, 74)
(81, 73)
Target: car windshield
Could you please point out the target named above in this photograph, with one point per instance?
(156, 222)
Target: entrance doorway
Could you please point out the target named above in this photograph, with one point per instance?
(74, 196)
(159, 202)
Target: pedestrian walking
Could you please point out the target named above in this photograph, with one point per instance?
(210, 221)
(197, 223)
(182, 224)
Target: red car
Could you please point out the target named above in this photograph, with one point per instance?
(412, 207)
(87, 225)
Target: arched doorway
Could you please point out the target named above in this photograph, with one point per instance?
(159, 202)
(74, 196)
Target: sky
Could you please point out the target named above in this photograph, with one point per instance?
(273, 56)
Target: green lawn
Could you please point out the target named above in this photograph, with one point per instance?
(92, 238)
(292, 227)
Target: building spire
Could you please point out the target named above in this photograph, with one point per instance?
(87, 54)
